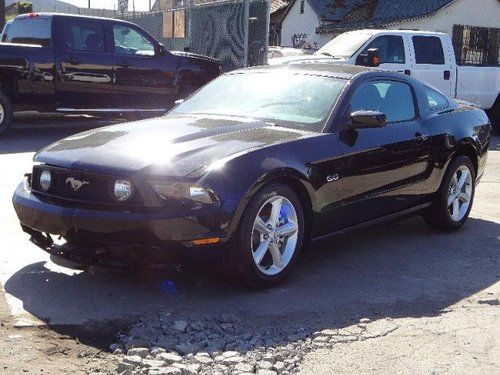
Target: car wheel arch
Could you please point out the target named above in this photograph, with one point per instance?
(467, 149)
(289, 177)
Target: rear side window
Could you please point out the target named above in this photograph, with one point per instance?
(85, 36)
(394, 99)
(435, 99)
(428, 50)
(32, 30)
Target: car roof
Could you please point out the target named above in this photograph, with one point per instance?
(315, 68)
(396, 31)
(67, 15)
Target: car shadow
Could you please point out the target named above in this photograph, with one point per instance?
(32, 132)
(400, 270)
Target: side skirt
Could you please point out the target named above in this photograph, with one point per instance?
(391, 217)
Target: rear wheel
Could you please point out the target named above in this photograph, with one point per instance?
(269, 238)
(6, 114)
(455, 196)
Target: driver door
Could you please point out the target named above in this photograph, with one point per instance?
(383, 169)
(144, 79)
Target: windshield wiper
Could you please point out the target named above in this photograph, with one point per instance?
(327, 54)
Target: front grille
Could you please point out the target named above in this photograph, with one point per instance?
(77, 185)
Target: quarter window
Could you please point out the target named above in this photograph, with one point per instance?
(394, 99)
(35, 31)
(391, 49)
(83, 36)
(428, 50)
(130, 42)
(435, 99)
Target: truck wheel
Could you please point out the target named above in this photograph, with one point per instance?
(6, 114)
(494, 115)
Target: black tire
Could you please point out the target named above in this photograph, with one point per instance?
(240, 264)
(438, 216)
(6, 108)
(494, 115)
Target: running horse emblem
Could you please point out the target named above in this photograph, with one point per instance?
(76, 184)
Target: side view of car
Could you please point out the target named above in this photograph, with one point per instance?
(78, 64)
(257, 173)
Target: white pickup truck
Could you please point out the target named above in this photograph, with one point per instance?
(428, 56)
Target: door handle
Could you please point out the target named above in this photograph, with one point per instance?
(408, 72)
(419, 137)
(124, 64)
(72, 61)
(446, 75)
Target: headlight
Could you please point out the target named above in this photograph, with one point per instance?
(183, 192)
(122, 190)
(45, 180)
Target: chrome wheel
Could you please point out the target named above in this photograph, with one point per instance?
(460, 193)
(274, 235)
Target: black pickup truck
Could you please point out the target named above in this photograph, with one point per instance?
(77, 64)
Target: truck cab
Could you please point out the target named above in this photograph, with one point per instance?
(428, 56)
(78, 64)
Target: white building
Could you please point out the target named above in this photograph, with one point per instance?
(315, 22)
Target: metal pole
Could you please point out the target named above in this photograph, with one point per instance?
(2, 14)
(89, 4)
(268, 23)
(246, 26)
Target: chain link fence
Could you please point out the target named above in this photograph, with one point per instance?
(235, 32)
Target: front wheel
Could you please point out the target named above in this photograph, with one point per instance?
(6, 114)
(455, 196)
(269, 238)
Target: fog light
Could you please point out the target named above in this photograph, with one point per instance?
(122, 190)
(45, 180)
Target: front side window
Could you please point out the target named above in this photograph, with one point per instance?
(435, 99)
(30, 30)
(394, 99)
(391, 49)
(84, 36)
(129, 41)
(428, 50)
(290, 99)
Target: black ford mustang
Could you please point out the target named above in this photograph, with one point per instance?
(256, 163)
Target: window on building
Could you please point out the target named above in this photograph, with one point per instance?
(476, 45)
(302, 6)
(428, 50)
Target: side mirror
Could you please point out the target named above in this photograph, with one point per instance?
(161, 49)
(371, 58)
(367, 120)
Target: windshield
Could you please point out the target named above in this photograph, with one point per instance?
(344, 45)
(292, 99)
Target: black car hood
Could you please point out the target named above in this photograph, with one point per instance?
(173, 145)
(195, 56)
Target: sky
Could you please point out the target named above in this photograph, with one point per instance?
(109, 4)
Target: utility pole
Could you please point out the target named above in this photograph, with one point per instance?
(89, 4)
(2, 14)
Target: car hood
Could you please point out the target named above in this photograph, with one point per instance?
(173, 145)
(195, 56)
